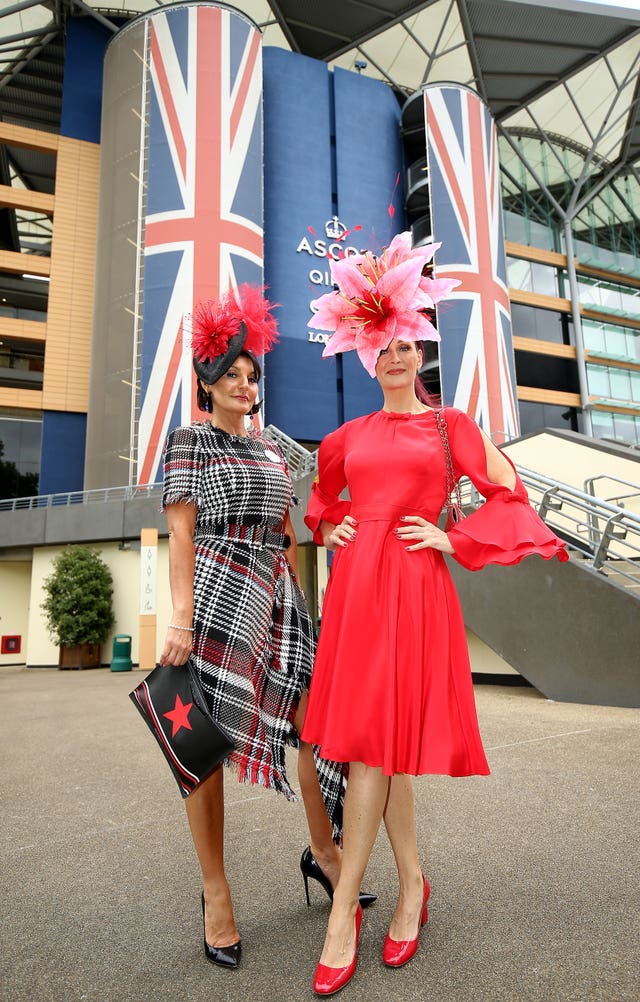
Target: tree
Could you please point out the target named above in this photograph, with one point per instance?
(78, 598)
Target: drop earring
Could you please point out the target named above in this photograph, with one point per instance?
(209, 404)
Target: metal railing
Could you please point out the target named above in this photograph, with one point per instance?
(299, 460)
(618, 498)
(604, 535)
(81, 497)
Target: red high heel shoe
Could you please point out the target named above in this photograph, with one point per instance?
(394, 953)
(329, 980)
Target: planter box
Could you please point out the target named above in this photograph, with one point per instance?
(81, 656)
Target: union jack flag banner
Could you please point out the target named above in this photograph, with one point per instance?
(202, 182)
(476, 355)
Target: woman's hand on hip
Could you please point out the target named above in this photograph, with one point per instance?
(342, 534)
(426, 534)
(177, 647)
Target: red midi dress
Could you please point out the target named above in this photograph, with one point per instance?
(391, 683)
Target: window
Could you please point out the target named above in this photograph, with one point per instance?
(619, 427)
(625, 428)
(544, 279)
(21, 364)
(614, 383)
(530, 276)
(534, 416)
(19, 456)
(609, 297)
(611, 339)
(593, 336)
(542, 325)
(602, 424)
(598, 380)
(620, 384)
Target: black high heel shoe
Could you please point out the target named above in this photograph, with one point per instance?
(223, 956)
(311, 868)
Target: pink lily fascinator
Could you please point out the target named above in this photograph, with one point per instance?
(379, 299)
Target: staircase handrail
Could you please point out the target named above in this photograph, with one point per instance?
(590, 481)
(567, 491)
(605, 534)
(299, 460)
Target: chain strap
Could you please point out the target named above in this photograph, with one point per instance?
(453, 503)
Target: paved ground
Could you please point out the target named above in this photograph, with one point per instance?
(536, 896)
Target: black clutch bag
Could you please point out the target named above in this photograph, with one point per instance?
(173, 706)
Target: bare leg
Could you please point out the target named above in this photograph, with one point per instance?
(399, 819)
(205, 812)
(364, 805)
(322, 845)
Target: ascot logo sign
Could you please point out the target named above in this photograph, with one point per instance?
(335, 231)
(318, 337)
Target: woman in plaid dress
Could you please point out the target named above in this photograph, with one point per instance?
(238, 611)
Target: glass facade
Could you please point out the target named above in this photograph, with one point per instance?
(531, 276)
(612, 383)
(540, 325)
(612, 341)
(606, 237)
(523, 229)
(20, 443)
(534, 416)
(609, 297)
(606, 228)
(619, 427)
(21, 364)
(590, 254)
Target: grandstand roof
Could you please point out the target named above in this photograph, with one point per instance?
(566, 71)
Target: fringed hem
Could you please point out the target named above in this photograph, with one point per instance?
(178, 497)
(268, 778)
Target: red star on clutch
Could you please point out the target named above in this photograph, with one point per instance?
(179, 716)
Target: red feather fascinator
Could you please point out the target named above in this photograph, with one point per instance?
(223, 328)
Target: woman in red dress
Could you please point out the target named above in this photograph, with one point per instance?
(392, 693)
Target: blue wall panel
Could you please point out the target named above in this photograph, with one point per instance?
(368, 157)
(62, 462)
(368, 163)
(82, 90)
(320, 163)
(300, 389)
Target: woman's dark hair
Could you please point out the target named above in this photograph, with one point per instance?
(203, 399)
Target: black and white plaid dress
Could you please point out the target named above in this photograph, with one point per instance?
(253, 641)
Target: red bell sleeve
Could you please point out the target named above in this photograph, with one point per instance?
(506, 528)
(325, 504)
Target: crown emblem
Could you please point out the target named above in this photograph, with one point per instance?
(334, 229)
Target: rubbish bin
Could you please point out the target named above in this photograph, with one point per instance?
(121, 656)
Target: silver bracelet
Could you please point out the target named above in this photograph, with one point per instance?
(172, 626)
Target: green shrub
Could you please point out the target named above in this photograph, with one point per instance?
(78, 597)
